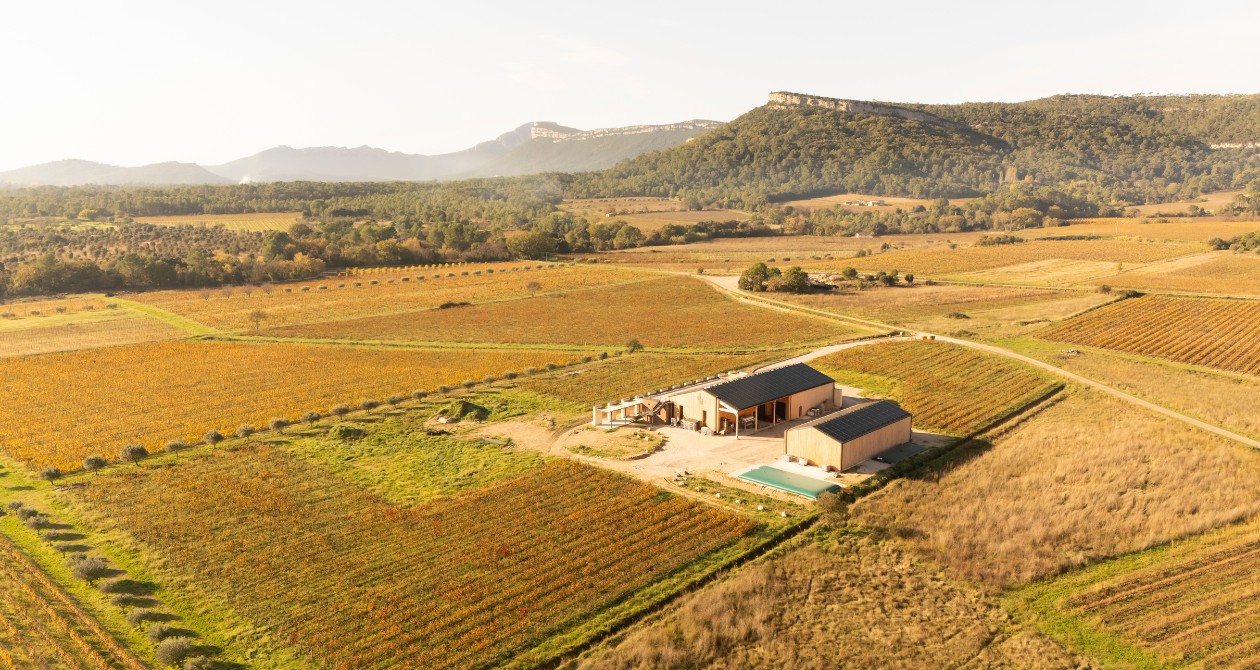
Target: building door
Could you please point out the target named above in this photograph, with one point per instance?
(704, 417)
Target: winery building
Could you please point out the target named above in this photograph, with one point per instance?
(850, 436)
(752, 402)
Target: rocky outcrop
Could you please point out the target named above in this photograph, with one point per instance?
(541, 131)
(785, 100)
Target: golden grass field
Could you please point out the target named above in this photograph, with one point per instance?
(22, 309)
(891, 204)
(1084, 479)
(305, 302)
(259, 222)
(1037, 257)
(1190, 604)
(81, 330)
(842, 601)
(1196, 229)
(1221, 273)
(674, 312)
(64, 407)
(1214, 333)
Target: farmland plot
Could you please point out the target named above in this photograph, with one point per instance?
(83, 330)
(1091, 255)
(1221, 334)
(248, 222)
(354, 581)
(64, 407)
(948, 388)
(636, 374)
(674, 312)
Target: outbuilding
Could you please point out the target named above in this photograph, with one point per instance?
(850, 436)
(752, 402)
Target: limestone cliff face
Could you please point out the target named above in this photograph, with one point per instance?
(556, 133)
(784, 100)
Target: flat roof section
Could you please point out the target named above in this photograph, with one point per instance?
(770, 385)
(768, 475)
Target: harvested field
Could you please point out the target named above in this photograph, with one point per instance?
(846, 601)
(1220, 273)
(249, 222)
(84, 330)
(636, 373)
(675, 312)
(24, 309)
(356, 582)
(1085, 479)
(972, 260)
(948, 388)
(1191, 604)
(41, 626)
(340, 298)
(1222, 334)
(1197, 229)
(64, 407)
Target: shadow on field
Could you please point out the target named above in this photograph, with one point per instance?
(133, 587)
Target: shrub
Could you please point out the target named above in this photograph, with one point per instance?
(586, 359)
(244, 430)
(198, 663)
(24, 513)
(176, 445)
(311, 417)
(443, 389)
(213, 437)
(38, 521)
(395, 399)
(344, 431)
(530, 371)
(369, 404)
(510, 375)
(603, 355)
(419, 394)
(91, 569)
(172, 651)
(489, 379)
(956, 315)
(134, 453)
(50, 474)
(278, 424)
(51, 536)
(13, 505)
(340, 410)
(551, 366)
(128, 600)
(159, 631)
(468, 383)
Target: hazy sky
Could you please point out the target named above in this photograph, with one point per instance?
(130, 82)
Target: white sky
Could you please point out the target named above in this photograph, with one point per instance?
(131, 82)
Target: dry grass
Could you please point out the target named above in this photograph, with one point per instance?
(1088, 478)
(1197, 229)
(1219, 334)
(1192, 603)
(306, 302)
(1222, 273)
(676, 312)
(30, 309)
(846, 601)
(948, 388)
(85, 330)
(891, 204)
(249, 222)
(636, 373)
(972, 261)
(63, 407)
(652, 221)
(1209, 201)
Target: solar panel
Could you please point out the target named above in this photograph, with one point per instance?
(855, 422)
(770, 385)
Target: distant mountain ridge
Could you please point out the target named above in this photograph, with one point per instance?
(540, 146)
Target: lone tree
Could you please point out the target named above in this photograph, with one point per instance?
(633, 345)
(50, 474)
(340, 410)
(257, 317)
(310, 418)
(134, 453)
(94, 463)
(533, 287)
(213, 437)
(244, 430)
(172, 651)
(278, 424)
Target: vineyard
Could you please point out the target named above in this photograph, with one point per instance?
(1195, 601)
(946, 261)
(668, 312)
(635, 374)
(43, 627)
(64, 407)
(355, 582)
(339, 298)
(948, 388)
(25, 337)
(1215, 333)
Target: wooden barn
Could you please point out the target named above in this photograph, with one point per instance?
(850, 436)
(755, 401)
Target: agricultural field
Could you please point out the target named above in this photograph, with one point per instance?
(64, 407)
(375, 294)
(352, 580)
(1218, 273)
(828, 604)
(41, 626)
(80, 330)
(890, 204)
(1189, 604)
(259, 222)
(948, 388)
(667, 312)
(1038, 262)
(637, 373)
(1214, 333)
(611, 207)
(1081, 480)
(653, 221)
(1196, 229)
(46, 307)
(1208, 201)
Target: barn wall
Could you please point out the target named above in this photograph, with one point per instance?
(694, 404)
(818, 449)
(804, 401)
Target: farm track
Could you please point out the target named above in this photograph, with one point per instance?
(727, 284)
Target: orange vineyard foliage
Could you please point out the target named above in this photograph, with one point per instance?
(948, 388)
(358, 582)
(43, 627)
(668, 312)
(635, 373)
(1216, 333)
(63, 407)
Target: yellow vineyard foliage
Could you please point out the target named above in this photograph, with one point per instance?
(63, 407)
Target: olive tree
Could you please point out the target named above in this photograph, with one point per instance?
(134, 453)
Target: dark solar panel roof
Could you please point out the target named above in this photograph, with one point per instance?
(770, 385)
(855, 422)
